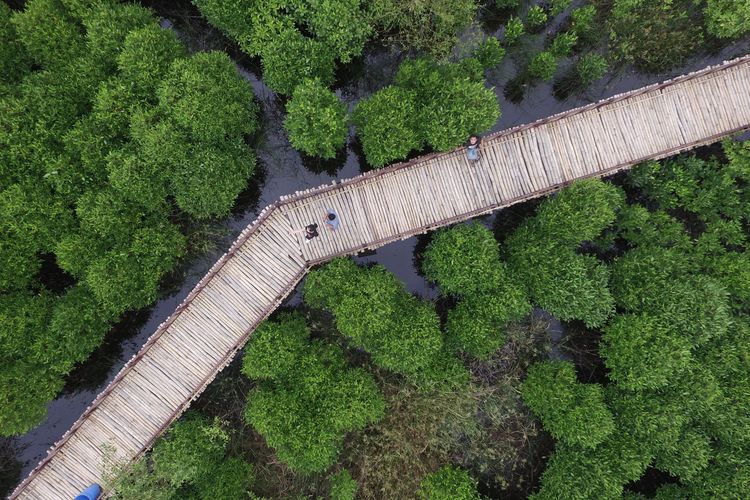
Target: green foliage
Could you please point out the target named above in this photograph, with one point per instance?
(727, 18)
(91, 159)
(572, 412)
(507, 4)
(190, 450)
(208, 183)
(591, 67)
(699, 186)
(189, 462)
(128, 277)
(49, 34)
(489, 53)
(514, 30)
(448, 483)
(563, 43)
(642, 352)
(108, 24)
(543, 66)
(290, 57)
(372, 308)
(275, 347)
(232, 478)
(464, 260)
(146, 56)
(541, 252)
(25, 389)
(205, 96)
(343, 487)
(655, 35)
(430, 27)
(558, 6)
(294, 39)
(386, 125)
(313, 400)
(14, 61)
(476, 326)
(316, 120)
(536, 18)
(584, 23)
(578, 474)
(452, 101)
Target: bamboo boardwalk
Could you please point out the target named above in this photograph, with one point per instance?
(266, 262)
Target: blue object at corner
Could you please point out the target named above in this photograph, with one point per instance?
(90, 493)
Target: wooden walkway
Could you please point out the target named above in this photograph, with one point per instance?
(266, 262)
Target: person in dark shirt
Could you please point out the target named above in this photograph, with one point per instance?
(311, 231)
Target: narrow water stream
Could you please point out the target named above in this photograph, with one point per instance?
(284, 171)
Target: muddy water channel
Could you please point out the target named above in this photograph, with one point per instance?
(282, 170)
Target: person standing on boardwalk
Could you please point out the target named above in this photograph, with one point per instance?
(473, 147)
(332, 219)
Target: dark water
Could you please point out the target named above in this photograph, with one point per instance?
(282, 171)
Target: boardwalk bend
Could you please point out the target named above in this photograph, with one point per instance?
(266, 262)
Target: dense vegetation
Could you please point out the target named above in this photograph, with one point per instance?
(660, 279)
(112, 139)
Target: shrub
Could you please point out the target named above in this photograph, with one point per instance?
(14, 61)
(514, 30)
(536, 18)
(108, 24)
(372, 308)
(146, 56)
(583, 23)
(343, 487)
(655, 35)
(386, 125)
(452, 101)
(543, 66)
(541, 253)
(643, 352)
(590, 68)
(563, 43)
(313, 400)
(464, 260)
(507, 4)
(289, 57)
(430, 27)
(448, 483)
(558, 6)
(205, 96)
(727, 18)
(190, 450)
(572, 412)
(316, 120)
(489, 53)
(476, 326)
(49, 34)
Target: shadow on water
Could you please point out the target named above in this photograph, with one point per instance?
(281, 170)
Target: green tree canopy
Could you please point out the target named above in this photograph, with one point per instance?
(205, 96)
(316, 120)
(572, 412)
(372, 309)
(542, 252)
(386, 125)
(311, 398)
(49, 33)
